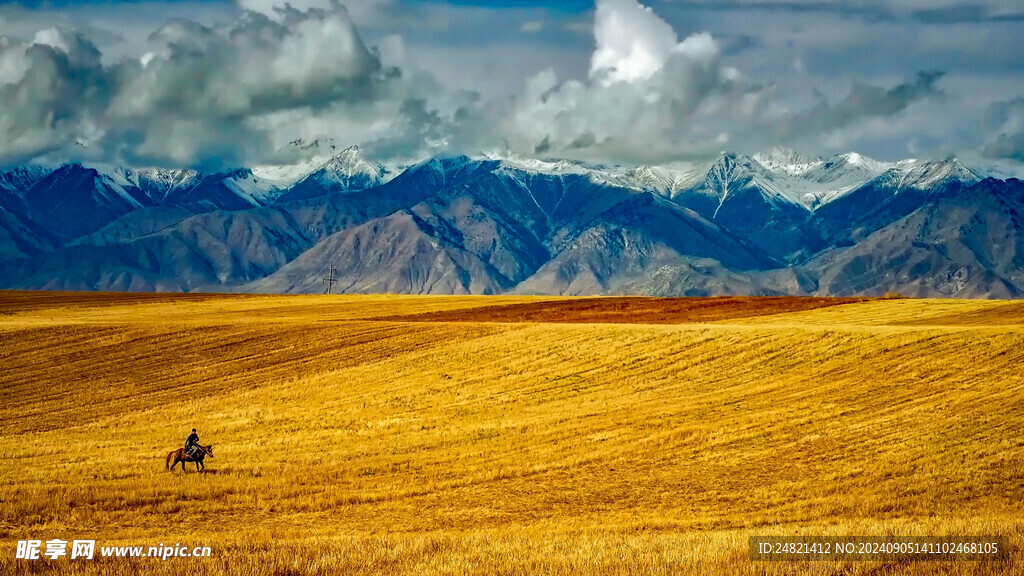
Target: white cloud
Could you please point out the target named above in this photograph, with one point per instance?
(632, 42)
(50, 89)
(203, 88)
(208, 94)
(201, 95)
(649, 96)
(361, 11)
(1006, 122)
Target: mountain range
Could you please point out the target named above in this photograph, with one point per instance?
(772, 223)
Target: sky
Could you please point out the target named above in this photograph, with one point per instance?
(215, 84)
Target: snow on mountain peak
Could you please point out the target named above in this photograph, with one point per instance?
(24, 177)
(294, 162)
(781, 174)
(786, 160)
(350, 157)
(856, 161)
(924, 174)
(666, 180)
(348, 163)
(537, 164)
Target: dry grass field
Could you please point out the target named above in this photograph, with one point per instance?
(506, 435)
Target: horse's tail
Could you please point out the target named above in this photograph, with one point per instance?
(169, 459)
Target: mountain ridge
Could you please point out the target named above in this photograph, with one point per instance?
(771, 223)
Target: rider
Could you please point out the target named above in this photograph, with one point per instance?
(192, 443)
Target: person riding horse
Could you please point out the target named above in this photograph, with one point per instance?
(192, 443)
(195, 453)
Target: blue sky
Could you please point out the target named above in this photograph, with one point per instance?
(612, 81)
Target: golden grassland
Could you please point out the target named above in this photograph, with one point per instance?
(419, 435)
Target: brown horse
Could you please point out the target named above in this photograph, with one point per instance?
(180, 456)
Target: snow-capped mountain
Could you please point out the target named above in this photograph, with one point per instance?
(23, 177)
(161, 185)
(318, 168)
(787, 160)
(863, 209)
(772, 223)
(784, 175)
(346, 170)
(812, 182)
(781, 174)
(72, 199)
(922, 175)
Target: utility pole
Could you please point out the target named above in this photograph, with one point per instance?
(330, 281)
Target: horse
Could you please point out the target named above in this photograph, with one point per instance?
(180, 456)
